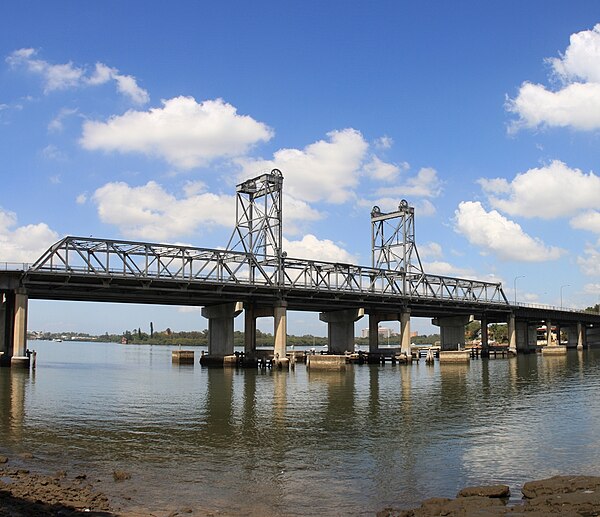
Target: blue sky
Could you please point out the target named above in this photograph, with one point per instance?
(136, 120)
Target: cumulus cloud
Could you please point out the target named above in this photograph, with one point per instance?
(548, 192)
(311, 248)
(382, 171)
(183, 132)
(430, 250)
(66, 75)
(439, 267)
(297, 215)
(56, 125)
(384, 142)
(23, 243)
(576, 103)
(589, 221)
(495, 234)
(589, 263)
(327, 170)
(425, 183)
(150, 212)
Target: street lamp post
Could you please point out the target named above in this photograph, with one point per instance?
(515, 283)
(561, 289)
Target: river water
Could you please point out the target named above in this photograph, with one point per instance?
(248, 442)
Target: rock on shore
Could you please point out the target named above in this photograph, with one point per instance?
(577, 496)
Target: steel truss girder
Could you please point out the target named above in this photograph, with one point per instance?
(78, 258)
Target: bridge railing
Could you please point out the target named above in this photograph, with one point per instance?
(551, 307)
(148, 262)
(14, 266)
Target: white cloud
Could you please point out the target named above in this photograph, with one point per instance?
(325, 170)
(23, 243)
(493, 233)
(382, 171)
(581, 60)
(589, 221)
(384, 142)
(65, 76)
(591, 288)
(554, 190)
(126, 84)
(424, 184)
(56, 124)
(81, 199)
(577, 103)
(52, 152)
(589, 263)
(297, 215)
(150, 212)
(183, 132)
(309, 247)
(431, 250)
(439, 267)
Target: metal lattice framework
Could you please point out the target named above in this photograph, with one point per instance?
(258, 218)
(393, 240)
(147, 262)
(254, 259)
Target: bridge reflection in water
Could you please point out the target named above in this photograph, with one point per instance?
(300, 442)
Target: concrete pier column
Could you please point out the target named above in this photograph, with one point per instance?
(532, 333)
(280, 329)
(373, 333)
(580, 335)
(220, 327)
(405, 333)
(249, 331)
(485, 342)
(340, 329)
(452, 331)
(19, 357)
(549, 333)
(7, 320)
(526, 337)
(512, 334)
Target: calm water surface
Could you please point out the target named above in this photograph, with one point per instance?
(299, 443)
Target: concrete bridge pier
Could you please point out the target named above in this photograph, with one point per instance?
(340, 329)
(251, 314)
(220, 328)
(526, 337)
(403, 317)
(452, 331)
(20, 357)
(280, 332)
(7, 301)
(580, 335)
(485, 344)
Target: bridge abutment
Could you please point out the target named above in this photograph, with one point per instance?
(340, 329)
(526, 337)
(220, 327)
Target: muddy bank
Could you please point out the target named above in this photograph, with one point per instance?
(28, 494)
(560, 495)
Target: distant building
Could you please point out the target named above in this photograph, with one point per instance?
(384, 332)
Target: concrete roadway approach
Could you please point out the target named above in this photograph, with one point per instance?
(223, 300)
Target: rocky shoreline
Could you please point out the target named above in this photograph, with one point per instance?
(27, 494)
(576, 496)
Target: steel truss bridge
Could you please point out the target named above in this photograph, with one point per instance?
(254, 268)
